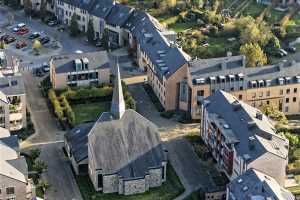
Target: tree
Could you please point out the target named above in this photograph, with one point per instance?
(35, 153)
(273, 112)
(273, 45)
(2, 44)
(39, 166)
(74, 27)
(43, 9)
(44, 185)
(28, 7)
(254, 54)
(36, 46)
(90, 31)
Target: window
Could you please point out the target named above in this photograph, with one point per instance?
(294, 99)
(253, 95)
(231, 89)
(287, 100)
(200, 93)
(286, 109)
(253, 104)
(213, 91)
(288, 91)
(268, 102)
(240, 97)
(11, 198)
(268, 93)
(241, 87)
(100, 180)
(295, 90)
(281, 92)
(163, 172)
(10, 190)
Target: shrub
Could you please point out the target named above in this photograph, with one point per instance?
(56, 104)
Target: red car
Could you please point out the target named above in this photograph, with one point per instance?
(23, 31)
(21, 44)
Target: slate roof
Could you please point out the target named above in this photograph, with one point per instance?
(102, 8)
(234, 65)
(83, 4)
(128, 146)
(149, 34)
(11, 164)
(77, 139)
(65, 63)
(11, 141)
(256, 185)
(12, 85)
(268, 150)
(118, 15)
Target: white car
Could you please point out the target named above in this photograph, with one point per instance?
(21, 25)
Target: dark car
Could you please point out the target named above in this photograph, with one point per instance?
(34, 35)
(4, 37)
(10, 39)
(52, 23)
(279, 54)
(45, 40)
(45, 67)
(291, 49)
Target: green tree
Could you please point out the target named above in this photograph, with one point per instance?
(44, 185)
(35, 153)
(39, 166)
(28, 7)
(43, 9)
(254, 54)
(293, 138)
(74, 27)
(90, 31)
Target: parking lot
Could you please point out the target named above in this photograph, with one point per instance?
(59, 41)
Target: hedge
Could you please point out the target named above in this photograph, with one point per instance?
(68, 110)
(56, 104)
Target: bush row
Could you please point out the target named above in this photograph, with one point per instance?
(58, 110)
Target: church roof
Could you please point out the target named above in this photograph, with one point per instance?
(128, 146)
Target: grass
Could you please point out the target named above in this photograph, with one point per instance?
(180, 27)
(169, 190)
(89, 112)
(295, 190)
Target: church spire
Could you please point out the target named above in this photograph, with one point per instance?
(118, 103)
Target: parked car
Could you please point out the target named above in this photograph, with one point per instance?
(46, 67)
(44, 40)
(52, 23)
(291, 49)
(15, 29)
(10, 39)
(279, 54)
(34, 35)
(23, 31)
(21, 25)
(21, 44)
(4, 37)
(283, 51)
(39, 72)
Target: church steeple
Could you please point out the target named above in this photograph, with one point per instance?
(118, 103)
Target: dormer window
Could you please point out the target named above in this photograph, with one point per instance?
(231, 77)
(261, 83)
(298, 79)
(268, 83)
(280, 81)
(212, 80)
(287, 80)
(222, 79)
(253, 84)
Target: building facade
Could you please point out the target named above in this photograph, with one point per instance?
(84, 69)
(240, 137)
(14, 181)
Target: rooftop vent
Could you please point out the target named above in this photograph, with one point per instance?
(245, 188)
(246, 157)
(240, 180)
(259, 115)
(226, 126)
(236, 105)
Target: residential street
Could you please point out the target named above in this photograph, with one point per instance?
(49, 138)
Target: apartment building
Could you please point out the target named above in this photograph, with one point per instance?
(83, 69)
(14, 181)
(278, 84)
(255, 185)
(240, 137)
(66, 9)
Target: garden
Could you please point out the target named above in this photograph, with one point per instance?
(168, 191)
(73, 106)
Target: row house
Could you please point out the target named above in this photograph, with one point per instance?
(276, 85)
(240, 137)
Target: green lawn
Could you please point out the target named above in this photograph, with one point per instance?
(168, 191)
(295, 190)
(89, 111)
(180, 27)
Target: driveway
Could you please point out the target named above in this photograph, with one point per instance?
(181, 154)
(50, 140)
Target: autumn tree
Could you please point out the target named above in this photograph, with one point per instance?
(254, 54)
